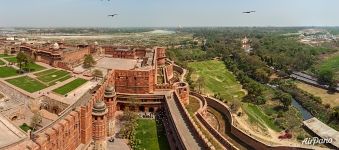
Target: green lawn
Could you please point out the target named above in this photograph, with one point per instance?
(3, 55)
(70, 86)
(26, 83)
(35, 67)
(60, 80)
(217, 78)
(331, 63)
(256, 115)
(53, 76)
(1, 62)
(25, 127)
(32, 66)
(151, 136)
(45, 72)
(7, 72)
(11, 59)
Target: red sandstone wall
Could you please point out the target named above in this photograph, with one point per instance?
(161, 56)
(99, 128)
(65, 134)
(74, 57)
(68, 133)
(169, 71)
(124, 54)
(134, 81)
(140, 52)
(240, 134)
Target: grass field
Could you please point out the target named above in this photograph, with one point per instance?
(3, 55)
(35, 67)
(52, 76)
(11, 59)
(255, 114)
(332, 99)
(32, 66)
(217, 79)
(1, 62)
(331, 63)
(7, 72)
(26, 83)
(151, 135)
(60, 80)
(45, 72)
(70, 86)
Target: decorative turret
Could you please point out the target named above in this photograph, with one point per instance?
(99, 125)
(110, 100)
(109, 92)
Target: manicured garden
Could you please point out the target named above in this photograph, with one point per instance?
(53, 76)
(217, 79)
(32, 66)
(70, 86)
(27, 83)
(150, 135)
(7, 72)
(45, 72)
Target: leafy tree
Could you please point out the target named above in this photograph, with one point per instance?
(89, 61)
(326, 76)
(36, 120)
(27, 63)
(98, 73)
(286, 99)
(21, 58)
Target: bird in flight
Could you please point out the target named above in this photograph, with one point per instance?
(248, 12)
(112, 15)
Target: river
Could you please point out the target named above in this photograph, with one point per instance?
(305, 113)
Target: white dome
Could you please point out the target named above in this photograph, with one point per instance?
(96, 43)
(56, 46)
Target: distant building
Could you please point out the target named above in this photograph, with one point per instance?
(246, 44)
(57, 54)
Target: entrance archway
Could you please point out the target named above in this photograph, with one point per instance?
(122, 107)
(151, 109)
(142, 108)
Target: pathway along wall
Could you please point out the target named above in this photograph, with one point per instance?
(221, 107)
(200, 115)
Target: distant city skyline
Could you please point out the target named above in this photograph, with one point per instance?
(162, 13)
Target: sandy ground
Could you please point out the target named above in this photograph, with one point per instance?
(332, 99)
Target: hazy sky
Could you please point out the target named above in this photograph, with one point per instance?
(156, 13)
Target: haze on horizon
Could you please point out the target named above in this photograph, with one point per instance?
(163, 13)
